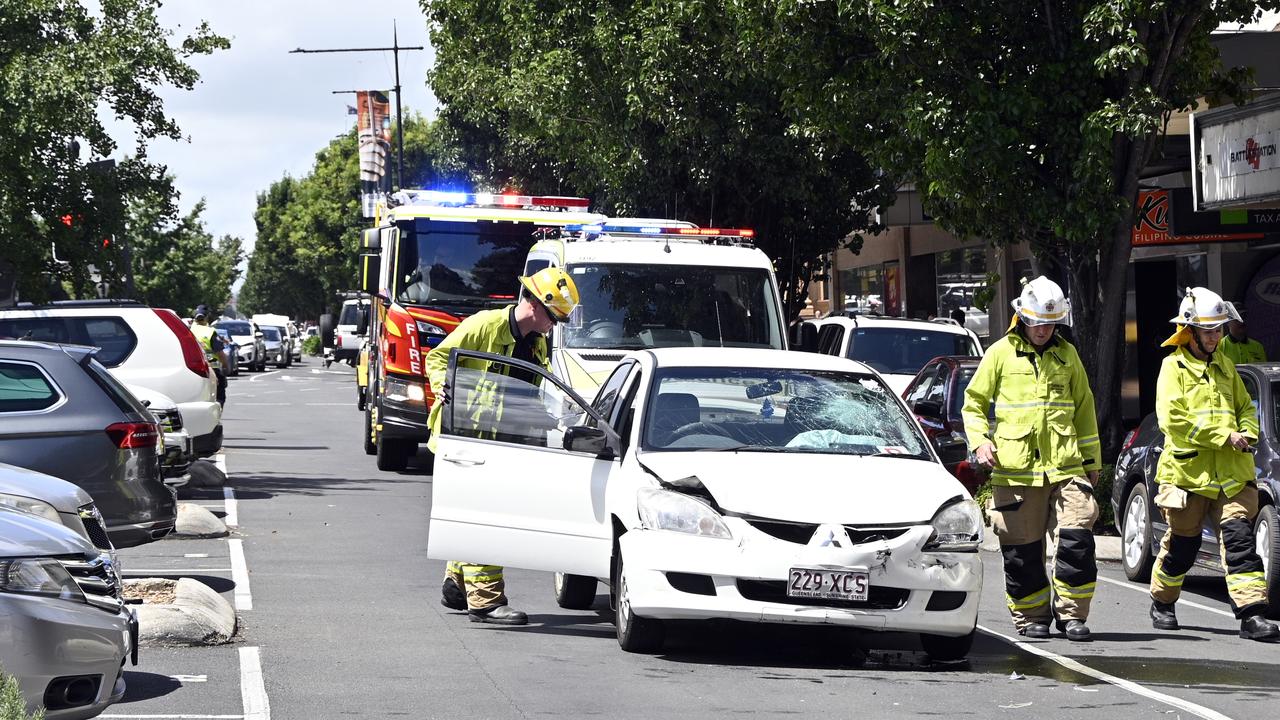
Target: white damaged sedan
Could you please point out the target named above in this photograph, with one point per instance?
(755, 485)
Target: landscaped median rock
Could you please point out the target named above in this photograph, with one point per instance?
(205, 474)
(195, 614)
(197, 521)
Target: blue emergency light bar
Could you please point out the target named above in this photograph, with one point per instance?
(445, 198)
(659, 230)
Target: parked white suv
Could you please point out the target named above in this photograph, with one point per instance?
(143, 346)
(895, 347)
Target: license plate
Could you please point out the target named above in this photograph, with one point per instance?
(828, 584)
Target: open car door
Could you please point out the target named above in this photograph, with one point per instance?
(506, 489)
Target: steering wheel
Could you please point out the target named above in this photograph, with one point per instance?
(699, 428)
(604, 329)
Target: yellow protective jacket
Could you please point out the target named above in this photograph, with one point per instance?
(1199, 404)
(487, 331)
(1246, 351)
(205, 335)
(1045, 427)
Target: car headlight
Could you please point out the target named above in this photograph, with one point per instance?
(402, 390)
(430, 329)
(31, 505)
(956, 528)
(666, 510)
(39, 576)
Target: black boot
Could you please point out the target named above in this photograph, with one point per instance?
(451, 595)
(499, 615)
(1256, 627)
(1163, 617)
(1075, 630)
(1035, 630)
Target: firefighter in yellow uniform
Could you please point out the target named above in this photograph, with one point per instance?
(518, 331)
(1206, 470)
(1237, 344)
(1044, 457)
(215, 352)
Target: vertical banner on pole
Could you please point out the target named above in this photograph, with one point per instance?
(373, 130)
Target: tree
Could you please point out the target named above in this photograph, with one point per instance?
(651, 108)
(62, 62)
(309, 228)
(177, 264)
(1017, 122)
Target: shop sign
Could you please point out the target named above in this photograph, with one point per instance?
(1235, 155)
(1183, 220)
(1151, 227)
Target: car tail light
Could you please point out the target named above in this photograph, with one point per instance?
(1128, 439)
(192, 353)
(132, 435)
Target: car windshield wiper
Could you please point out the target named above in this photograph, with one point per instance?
(741, 446)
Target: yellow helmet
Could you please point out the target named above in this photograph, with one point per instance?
(555, 290)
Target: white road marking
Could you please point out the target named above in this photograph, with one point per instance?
(252, 689)
(240, 575)
(1181, 601)
(177, 717)
(190, 678)
(328, 404)
(196, 555)
(244, 404)
(220, 460)
(132, 572)
(1133, 687)
(232, 518)
(259, 376)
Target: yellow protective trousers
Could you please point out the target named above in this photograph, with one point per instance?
(1232, 517)
(483, 585)
(1021, 517)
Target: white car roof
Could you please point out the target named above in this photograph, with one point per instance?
(652, 252)
(753, 358)
(908, 323)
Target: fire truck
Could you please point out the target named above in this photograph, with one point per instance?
(433, 259)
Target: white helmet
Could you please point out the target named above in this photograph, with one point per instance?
(1042, 303)
(1204, 308)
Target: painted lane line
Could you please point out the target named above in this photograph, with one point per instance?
(328, 404)
(196, 555)
(190, 678)
(245, 404)
(221, 461)
(258, 377)
(252, 690)
(176, 717)
(232, 517)
(240, 575)
(1133, 687)
(135, 572)
(1181, 601)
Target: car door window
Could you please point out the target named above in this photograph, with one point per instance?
(830, 339)
(610, 391)
(922, 384)
(938, 388)
(491, 397)
(25, 388)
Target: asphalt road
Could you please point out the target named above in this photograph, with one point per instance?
(342, 618)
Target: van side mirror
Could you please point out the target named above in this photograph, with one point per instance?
(370, 266)
(804, 337)
(362, 323)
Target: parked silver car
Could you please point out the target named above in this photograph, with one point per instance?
(53, 499)
(66, 631)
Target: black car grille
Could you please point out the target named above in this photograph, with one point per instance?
(801, 533)
(95, 577)
(97, 533)
(775, 591)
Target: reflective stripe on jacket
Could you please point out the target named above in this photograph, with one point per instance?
(487, 331)
(1246, 351)
(1045, 427)
(1199, 404)
(205, 335)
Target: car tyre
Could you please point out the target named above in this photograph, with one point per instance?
(635, 634)
(370, 447)
(1135, 535)
(1266, 537)
(393, 453)
(943, 648)
(575, 592)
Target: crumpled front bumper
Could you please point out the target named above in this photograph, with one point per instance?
(911, 590)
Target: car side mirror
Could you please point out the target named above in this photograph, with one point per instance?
(928, 408)
(953, 453)
(258, 334)
(586, 439)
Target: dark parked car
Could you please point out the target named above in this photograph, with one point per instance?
(1133, 493)
(63, 414)
(233, 350)
(936, 396)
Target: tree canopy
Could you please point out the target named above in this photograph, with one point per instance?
(63, 64)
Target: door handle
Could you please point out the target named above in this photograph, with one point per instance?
(463, 460)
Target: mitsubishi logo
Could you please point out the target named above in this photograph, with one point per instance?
(830, 536)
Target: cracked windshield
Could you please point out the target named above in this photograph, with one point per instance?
(778, 411)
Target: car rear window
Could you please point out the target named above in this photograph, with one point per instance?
(904, 351)
(350, 314)
(25, 388)
(114, 389)
(235, 328)
(113, 336)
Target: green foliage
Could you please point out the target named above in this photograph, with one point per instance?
(309, 228)
(12, 705)
(64, 66)
(313, 345)
(177, 264)
(652, 108)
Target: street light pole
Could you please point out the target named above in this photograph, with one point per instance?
(395, 49)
